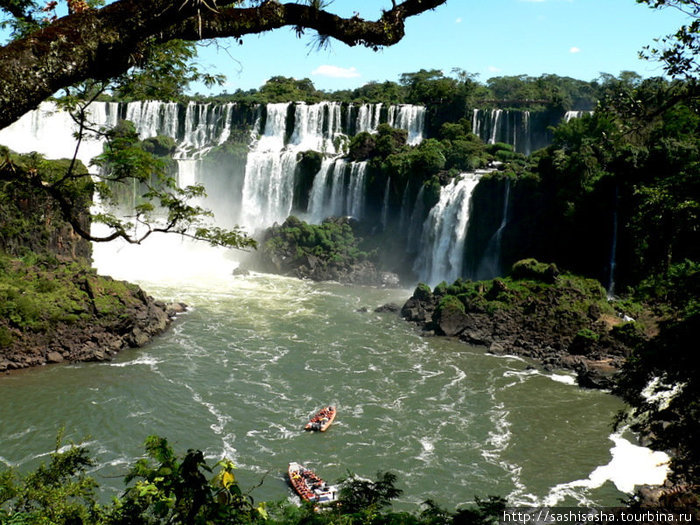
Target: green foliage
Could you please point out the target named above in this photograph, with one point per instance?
(286, 89)
(568, 296)
(58, 493)
(534, 270)
(39, 293)
(678, 51)
(587, 334)
(164, 72)
(164, 487)
(362, 496)
(450, 303)
(332, 242)
(483, 512)
(631, 333)
(169, 489)
(675, 293)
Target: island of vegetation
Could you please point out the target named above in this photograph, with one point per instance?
(328, 251)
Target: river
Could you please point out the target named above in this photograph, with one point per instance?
(239, 374)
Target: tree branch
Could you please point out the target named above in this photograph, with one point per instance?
(104, 43)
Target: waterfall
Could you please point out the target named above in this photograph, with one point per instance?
(50, 131)
(528, 133)
(613, 250)
(496, 119)
(319, 192)
(444, 233)
(316, 127)
(490, 264)
(385, 204)
(253, 195)
(269, 173)
(476, 123)
(338, 190)
(415, 222)
(411, 118)
(523, 129)
(356, 192)
(575, 114)
(187, 170)
(368, 117)
(152, 117)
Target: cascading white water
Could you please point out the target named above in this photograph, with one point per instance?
(368, 117)
(265, 186)
(320, 191)
(338, 190)
(269, 174)
(476, 123)
(528, 133)
(355, 199)
(187, 170)
(411, 118)
(496, 117)
(444, 232)
(152, 117)
(385, 204)
(575, 114)
(490, 264)
(50, 131)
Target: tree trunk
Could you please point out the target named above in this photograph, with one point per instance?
(104, 43)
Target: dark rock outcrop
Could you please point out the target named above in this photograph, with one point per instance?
(388, 308)
(556, 320)
(98, 339)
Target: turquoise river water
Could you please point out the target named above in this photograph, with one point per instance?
(239, 374)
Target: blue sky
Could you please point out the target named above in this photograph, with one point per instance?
(577, 38)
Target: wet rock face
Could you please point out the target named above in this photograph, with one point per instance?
(539, 324)
(99, 338)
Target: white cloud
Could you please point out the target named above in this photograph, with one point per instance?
(459, 20)
(336, 72)
(494, 69)
(574, 50)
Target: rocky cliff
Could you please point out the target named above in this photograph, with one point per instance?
(560, 320)
(53, 306)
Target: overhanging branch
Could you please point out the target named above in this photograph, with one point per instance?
(103, 43)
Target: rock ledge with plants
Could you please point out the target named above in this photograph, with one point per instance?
(559, 319)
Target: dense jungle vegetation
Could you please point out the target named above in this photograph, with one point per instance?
(165, 487)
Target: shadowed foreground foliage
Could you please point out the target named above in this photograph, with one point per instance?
(166, 488)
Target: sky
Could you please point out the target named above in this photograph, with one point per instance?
(576, 38)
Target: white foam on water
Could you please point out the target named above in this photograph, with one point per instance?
(522, 375)
(567, 379)
(507, 356)
(141, 360)
(631, 465)
(660, 393)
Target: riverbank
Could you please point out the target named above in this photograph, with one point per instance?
(55, 312)
(562, 321)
